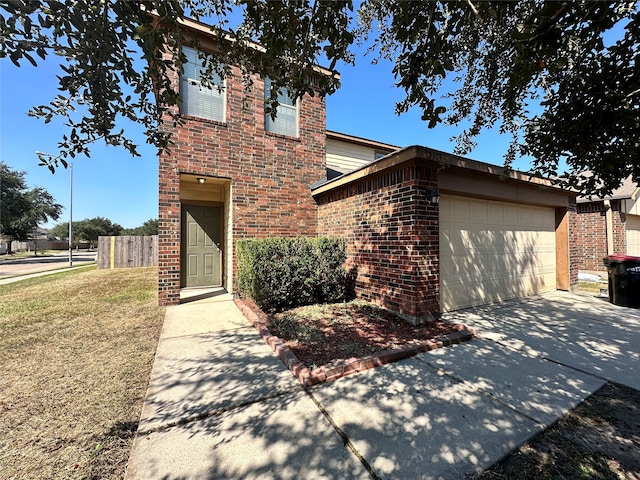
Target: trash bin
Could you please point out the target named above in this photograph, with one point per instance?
(624, 280)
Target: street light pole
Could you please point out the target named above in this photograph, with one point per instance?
(70, 214)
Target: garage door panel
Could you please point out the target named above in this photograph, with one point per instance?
(493, 251)
(510, 214)
(459, 209)
(524, 216)
(537, 217)
(549, 218)
(492, 289)
(633, 235)
(479, 211)
(445, 239)
(496, 214)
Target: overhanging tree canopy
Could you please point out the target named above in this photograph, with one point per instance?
(508, 56)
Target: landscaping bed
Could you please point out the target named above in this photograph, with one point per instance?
(323, 342)
(322, 334)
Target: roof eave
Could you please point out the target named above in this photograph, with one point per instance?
(443, 159)
(211, 31)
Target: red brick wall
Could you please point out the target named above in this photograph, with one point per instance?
(591, 236)
(392, 237)
(575, 254)
(270, 174)
(591, 233)
(619, 229)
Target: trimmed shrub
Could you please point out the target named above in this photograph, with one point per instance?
(280, 273)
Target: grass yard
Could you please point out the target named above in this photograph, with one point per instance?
(76, 350)
(591, 287)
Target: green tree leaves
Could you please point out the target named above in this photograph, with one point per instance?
(21, 209)
(119, 58)
(538, 69)
(88, 230)
(535, 68)
(149, 227)
(592, 119)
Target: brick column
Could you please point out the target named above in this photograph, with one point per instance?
(168, 233)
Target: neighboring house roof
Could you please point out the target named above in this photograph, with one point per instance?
(627, 189)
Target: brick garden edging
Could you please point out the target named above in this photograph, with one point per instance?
(331, 372)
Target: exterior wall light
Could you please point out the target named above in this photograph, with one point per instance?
(201, 180)
(434, 196)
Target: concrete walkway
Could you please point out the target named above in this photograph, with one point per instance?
(221, 405)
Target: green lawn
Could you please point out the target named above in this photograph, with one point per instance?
(18, 255)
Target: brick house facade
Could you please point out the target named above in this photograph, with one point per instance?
(592, 224)
(392, 237)
(394, 233)
(254, 183)
(261, 179)
(609, 225)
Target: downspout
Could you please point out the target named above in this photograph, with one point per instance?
(609, 226)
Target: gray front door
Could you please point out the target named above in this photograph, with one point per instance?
(201, 254)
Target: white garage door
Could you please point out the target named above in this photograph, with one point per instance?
(633, 235)
(493, 251)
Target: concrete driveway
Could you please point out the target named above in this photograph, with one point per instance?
(583, 332)
(218, 406)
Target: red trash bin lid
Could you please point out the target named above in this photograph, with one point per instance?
(623, 258)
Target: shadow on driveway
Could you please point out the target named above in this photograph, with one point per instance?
(583, 332)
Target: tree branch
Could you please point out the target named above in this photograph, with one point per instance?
(474, 10)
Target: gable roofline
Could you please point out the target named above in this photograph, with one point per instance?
(365, 142)
(445, 160)
(209, 30)
(628, 189)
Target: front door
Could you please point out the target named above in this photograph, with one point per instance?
(201, 253)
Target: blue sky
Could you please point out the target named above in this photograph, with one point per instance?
(114, 185)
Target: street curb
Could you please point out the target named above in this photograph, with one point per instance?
(44, 273)
(328, 373)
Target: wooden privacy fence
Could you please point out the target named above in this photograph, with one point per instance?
(127, 251)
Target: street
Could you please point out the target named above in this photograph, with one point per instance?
(42, 263)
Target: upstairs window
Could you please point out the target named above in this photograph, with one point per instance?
(286, 121)
(199, 100)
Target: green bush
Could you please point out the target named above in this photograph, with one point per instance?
(280, 273)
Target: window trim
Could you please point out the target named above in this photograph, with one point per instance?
(267, 116)
(220, 91)
(378, 154)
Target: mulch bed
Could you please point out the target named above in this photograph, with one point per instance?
(322, 343)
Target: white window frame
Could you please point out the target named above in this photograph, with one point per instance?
(285, 111)
(196, 100)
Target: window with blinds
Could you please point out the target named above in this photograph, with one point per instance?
(199, 100)
(286, 121)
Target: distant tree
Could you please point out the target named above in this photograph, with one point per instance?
(150, 227)
(61, 230)
(88, 230)
(21, 209)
